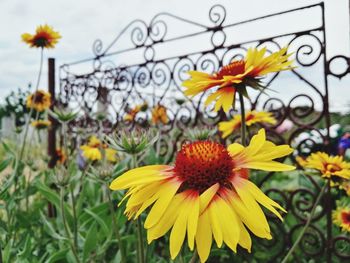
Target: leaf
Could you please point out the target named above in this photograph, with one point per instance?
(99, 220)
(4, 164)
(54, 198)
(86, 218)
(26, 251)
(7, 148)
(50, 229)
(90, 242)
(58, 256)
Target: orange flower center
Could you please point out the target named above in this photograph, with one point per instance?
(345, 217)
(332, 168)
(232, 69)
(202, 164)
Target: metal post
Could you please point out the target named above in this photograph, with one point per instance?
(51, 137)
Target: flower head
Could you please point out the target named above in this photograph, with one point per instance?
(44, 37)
(111, 155)
(91, 150)
(131, 113)
(341, 217)
(346, 187)
(41, 124)
(40, 100)
(159, 115)
(206, 195)
(236, 76)
(252, 117)
(333, 168)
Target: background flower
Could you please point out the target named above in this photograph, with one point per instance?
(44, 37)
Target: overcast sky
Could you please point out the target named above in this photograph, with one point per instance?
(82, 21)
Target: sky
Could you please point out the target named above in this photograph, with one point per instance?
(80, 22)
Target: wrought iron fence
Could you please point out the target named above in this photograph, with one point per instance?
(147, 72)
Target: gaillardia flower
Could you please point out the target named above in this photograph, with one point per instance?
(236, 76)
(44, 37)
(159, 115)
(111, 155)
(39, 100)
(206, 195)
(131, 113)
(341, 217)
(91, 150)
(41, 124)
(252, 117)
(61, 156)
(333, 168)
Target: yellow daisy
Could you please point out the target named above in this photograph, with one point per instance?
(346, 187)
(228, 127)
(44, 37)
(91, 150)
(40, 100)
(236, 76)
(159, 115)
(111, 155)
(333, 168)
(206, 195)
(41, 124)
(341, 217)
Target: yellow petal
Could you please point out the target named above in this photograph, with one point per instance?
(207, 196)
(204, 236)
(192, 220)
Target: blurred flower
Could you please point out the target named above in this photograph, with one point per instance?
(285, 126)
(91, 151)
(159, 115)
(345, 186)
(236, 76)
(252, 117)
(330, 167)
(111, 155)
(41, 124)
(131, 113)
(40, 100)
(201, 134)
(344, 143)
(341, 217)
(206, 193)
(44, 37)
(61, 156)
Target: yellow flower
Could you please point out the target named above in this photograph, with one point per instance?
(333, 168)
(131, 114)
(44, 37)
(228, 127)
(236, 76)
(159, 115)
(41, 124)
(40, 100)
(341, 217)
(61, 156)
(206, 195)
(91, 150)
(111, 155)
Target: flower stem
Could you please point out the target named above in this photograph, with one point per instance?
(194, 257)
(66, 228)
(140, 241)
(308, 222)
(75, 221)
(116, 227)
(243, 123)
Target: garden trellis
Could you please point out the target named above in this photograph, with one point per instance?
(113, 82)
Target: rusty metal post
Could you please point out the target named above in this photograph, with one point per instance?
(51, 137)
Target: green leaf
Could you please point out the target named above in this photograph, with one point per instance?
(90, 242)
(54, 198)
(26, 251)
(4, 164)
(58, 256)
(50, 229)
(86, 218)
(99, 220)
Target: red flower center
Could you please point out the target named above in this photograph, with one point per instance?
(202, 164)
(234, 68)
(38, 97)
(41, 39)
(345, 217)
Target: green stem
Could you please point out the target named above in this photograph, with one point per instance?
(308, 222)
(115, 226)
(66, 228)
(75, 221)
(194, 258)
(140, 241)
(243, 124)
